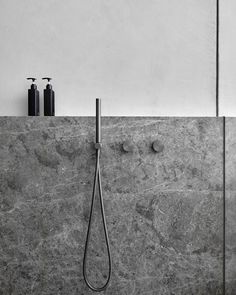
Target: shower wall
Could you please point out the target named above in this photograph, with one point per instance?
(230, 203)
(164, 210)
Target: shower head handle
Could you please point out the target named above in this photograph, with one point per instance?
(98, 120)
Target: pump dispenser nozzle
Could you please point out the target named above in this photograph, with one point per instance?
(47, 78)
(33, 79)
(33, 99)
(49, 86)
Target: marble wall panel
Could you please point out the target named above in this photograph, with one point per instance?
(164, 210)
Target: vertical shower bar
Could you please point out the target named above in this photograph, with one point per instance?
(98, 120)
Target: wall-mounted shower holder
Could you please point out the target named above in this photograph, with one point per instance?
(98, 145)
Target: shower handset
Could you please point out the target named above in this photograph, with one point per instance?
(97, 182)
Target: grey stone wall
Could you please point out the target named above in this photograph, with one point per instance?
(164, 210)
(230, 203)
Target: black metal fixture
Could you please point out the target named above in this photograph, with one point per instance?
(97, 182)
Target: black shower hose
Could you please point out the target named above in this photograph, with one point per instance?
(97, 180)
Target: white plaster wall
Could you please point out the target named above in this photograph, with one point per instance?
(228, 57)
(142, 57)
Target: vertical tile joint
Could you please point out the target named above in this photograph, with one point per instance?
(217, 58)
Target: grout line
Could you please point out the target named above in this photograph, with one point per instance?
(217, 58)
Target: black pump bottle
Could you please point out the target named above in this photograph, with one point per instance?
(33, 99)
(49, 99)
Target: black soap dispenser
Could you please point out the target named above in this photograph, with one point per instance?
(49, 99)
(33, 99)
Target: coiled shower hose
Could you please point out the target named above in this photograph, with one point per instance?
(97, 182)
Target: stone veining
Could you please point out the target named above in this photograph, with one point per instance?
(164, 210)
